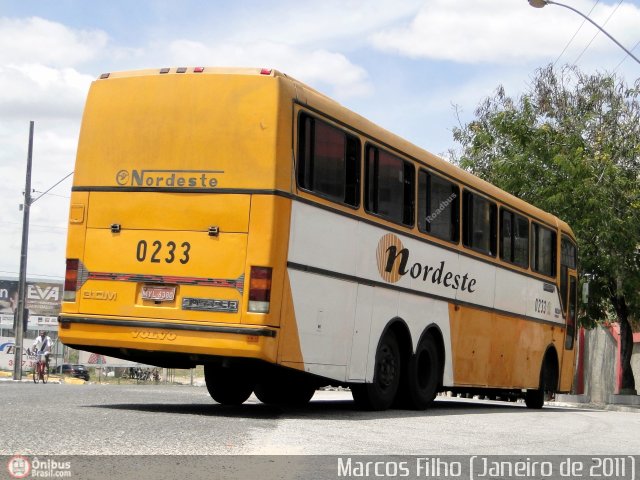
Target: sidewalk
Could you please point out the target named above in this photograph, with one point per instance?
(616, 403)
(26, 377)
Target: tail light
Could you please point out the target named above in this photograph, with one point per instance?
(260, 289)
(71, 280)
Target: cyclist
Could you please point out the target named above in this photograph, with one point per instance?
(42, 346)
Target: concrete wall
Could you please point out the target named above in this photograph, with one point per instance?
(600, 363)
(635, 364)
(600, 354)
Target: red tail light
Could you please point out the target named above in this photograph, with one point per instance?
(71, 280)
(260, 289)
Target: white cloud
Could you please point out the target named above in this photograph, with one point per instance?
(36, 40)
(501, 31)
(38, 67)
(318, 67)
(36, 91)
(305, 23)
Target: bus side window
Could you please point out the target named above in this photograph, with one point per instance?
(438, 207)
(389, 186)
(479, 230)
(514, 238)
(543, 248)
(328, 161)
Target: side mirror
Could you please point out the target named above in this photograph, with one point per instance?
(585, 293)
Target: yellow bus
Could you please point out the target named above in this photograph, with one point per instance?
(240, 220)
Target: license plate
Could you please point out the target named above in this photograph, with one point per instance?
(158, 294)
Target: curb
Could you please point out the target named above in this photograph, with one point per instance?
(597, 406)
(72, 381)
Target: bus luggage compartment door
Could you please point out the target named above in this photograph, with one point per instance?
(184, 262)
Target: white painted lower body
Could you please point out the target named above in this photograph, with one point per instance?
(340, 323)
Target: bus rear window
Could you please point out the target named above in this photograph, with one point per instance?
(328, 161)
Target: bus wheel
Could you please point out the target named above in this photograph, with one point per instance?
(228, 385)
(534, 399)
(424, 374)
(380, 394)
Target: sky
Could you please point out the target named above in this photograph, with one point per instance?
(416, 68)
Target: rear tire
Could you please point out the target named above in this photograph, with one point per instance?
(45, 374)
(380, 394)
(228, 385)
(423, 374)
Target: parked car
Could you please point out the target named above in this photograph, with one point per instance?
(75, 370)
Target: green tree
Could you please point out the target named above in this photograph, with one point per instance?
(571, 146)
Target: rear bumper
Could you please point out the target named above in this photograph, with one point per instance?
(226, 340)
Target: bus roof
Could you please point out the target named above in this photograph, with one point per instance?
(315, 99)
(353, 120)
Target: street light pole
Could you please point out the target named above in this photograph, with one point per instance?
(22, 283)
(542, 3)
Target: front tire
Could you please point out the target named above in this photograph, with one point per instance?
(380, 394)
(534, 399)
(228, 385)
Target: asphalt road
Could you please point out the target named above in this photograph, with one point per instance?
(180, 420)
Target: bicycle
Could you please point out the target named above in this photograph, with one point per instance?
(41, 369)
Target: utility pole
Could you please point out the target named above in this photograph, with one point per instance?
(22, 282)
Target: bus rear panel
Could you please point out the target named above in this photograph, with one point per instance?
(173, 171)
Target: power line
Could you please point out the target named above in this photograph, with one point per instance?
(56, 184)
(33, 275)
(36, 225)
(626, 56)
(52, 194)
(575, 34)
(597, 33)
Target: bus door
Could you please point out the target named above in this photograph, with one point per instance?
(569, 296)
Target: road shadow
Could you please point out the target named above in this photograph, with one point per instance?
(330, 410)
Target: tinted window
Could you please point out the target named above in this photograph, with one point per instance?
(543, 247)
(514, 236)
(328, 161)
(571, 319)
(390, 186)
(568, 259)
(438, 206)
(569, 256)
(479, 223)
